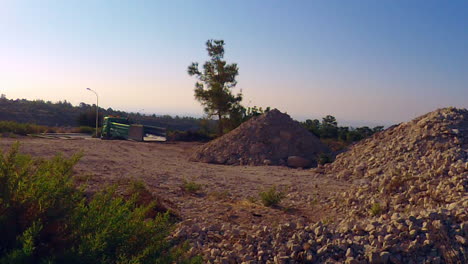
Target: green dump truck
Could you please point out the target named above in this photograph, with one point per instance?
(121, 128)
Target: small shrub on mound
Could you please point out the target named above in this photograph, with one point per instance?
(44, 218)
(375, 209)
(271, 197)
(191, 186)
(324, 158)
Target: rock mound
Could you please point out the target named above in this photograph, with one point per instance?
(431, 237)
(435, 143)
(408, 205)
(422, 163)
(269, 139)
(415, 173)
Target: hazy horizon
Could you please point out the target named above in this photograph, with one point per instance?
(301, 118)
(380, 62)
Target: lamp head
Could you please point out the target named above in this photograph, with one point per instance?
(89, 89)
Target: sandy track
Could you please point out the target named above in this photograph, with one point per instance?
(227, 190)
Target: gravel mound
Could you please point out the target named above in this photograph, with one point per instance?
(434, 142)
(429, 237)
(269, 139)
(416, 170)
(422, 163)
(408, 205)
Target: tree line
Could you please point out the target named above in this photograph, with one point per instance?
(64, 114)
(328, 129)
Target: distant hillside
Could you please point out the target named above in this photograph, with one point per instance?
(64, 114)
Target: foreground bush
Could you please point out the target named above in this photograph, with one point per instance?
(44, 218)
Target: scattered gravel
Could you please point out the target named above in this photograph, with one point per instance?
(407, 203)
(397, 197)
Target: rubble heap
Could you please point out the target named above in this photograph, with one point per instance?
(419, 164)
(269, 139)
(408, 204)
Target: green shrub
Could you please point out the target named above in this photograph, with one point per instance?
(86, 130)
(191, 186)
(189, 136)
(44, 218)
(21, 129)
(375, 209)
(113, 230)
(271, 197)
(324, 158)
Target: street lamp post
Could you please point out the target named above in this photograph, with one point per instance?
(97, 109)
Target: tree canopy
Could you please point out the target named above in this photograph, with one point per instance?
(329, 129)
(215, 82)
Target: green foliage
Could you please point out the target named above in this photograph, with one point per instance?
(240, 114)
(377, 129)
(361, 133)
(208, 127)
(88, 118)
(271, 197)
(255, 111)
(324, 158)
(189, 136)
(329, 127)
(114, 230)
(313, 126)
(44, 218)
(21, 129)
(375, 209)
(335, 145)
(62, 113)
(213, 88)
(328, 130)
(191, 186)
(86, 130)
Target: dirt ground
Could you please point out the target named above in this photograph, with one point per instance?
(229, 193)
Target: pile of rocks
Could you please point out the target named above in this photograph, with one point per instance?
(429, 237)
(420, 164)
(419, 168)
(270, 139)
(408, 205)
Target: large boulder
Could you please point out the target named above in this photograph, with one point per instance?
(298, 162)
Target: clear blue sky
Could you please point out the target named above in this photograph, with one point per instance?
(362, 61)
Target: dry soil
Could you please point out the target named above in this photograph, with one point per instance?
(228, 193)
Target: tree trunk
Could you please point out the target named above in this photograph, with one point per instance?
(220, 125)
